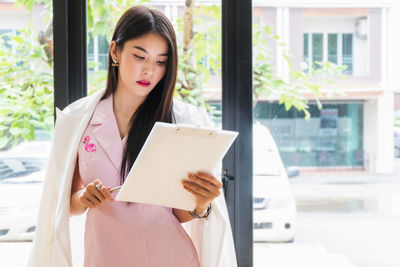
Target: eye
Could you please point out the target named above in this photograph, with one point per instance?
(161, 62)
(138, 57)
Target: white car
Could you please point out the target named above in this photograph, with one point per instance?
(274, 214)
(22, 171)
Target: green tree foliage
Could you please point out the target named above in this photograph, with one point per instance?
(26, 88)
(26, 83)
(207, 52)
(26, 71)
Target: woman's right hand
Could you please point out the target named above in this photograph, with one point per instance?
(94, 194)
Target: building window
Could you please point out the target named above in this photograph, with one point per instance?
(333, 47)
(347, 52)
(333, 137)
(306, 55)
(317, 49)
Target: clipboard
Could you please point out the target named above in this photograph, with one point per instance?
(170, 152)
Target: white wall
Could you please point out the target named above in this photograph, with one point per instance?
(361, 55)
(378, 134)
(385, 127)
(329, 24)
(393, 45)
(11, 19)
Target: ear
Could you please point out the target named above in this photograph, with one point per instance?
(114, 52)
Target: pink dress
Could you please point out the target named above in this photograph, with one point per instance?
(117, 234)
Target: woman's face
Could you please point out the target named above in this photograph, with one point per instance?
(142, 63)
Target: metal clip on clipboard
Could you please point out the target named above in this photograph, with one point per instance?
(185, 129)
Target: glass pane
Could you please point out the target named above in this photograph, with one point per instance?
(337, 181)
(26, 122)
(306, 47)
(348, 52)
(332, 136)
(332, 48)
(317, 49)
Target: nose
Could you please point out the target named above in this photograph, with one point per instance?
(148, 69)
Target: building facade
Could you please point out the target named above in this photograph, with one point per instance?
(354, 128)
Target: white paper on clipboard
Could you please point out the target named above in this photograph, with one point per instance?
(170, 152)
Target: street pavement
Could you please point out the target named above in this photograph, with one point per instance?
(14, 254)
(297, 255)
(344, 219)
(366, 239)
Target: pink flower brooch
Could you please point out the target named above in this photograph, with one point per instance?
(89, 147)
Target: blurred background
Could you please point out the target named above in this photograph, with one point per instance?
(326, 113)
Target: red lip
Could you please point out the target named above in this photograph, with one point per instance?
(143, 83)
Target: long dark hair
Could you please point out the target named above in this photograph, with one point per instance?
(136, 22)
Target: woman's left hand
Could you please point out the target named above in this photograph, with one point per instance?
(205, 187)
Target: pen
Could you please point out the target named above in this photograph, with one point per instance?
(115, 189)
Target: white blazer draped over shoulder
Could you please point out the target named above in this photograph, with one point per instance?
(51, 247)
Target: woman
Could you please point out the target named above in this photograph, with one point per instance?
(96, 141)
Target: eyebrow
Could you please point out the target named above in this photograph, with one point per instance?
(144, 50)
